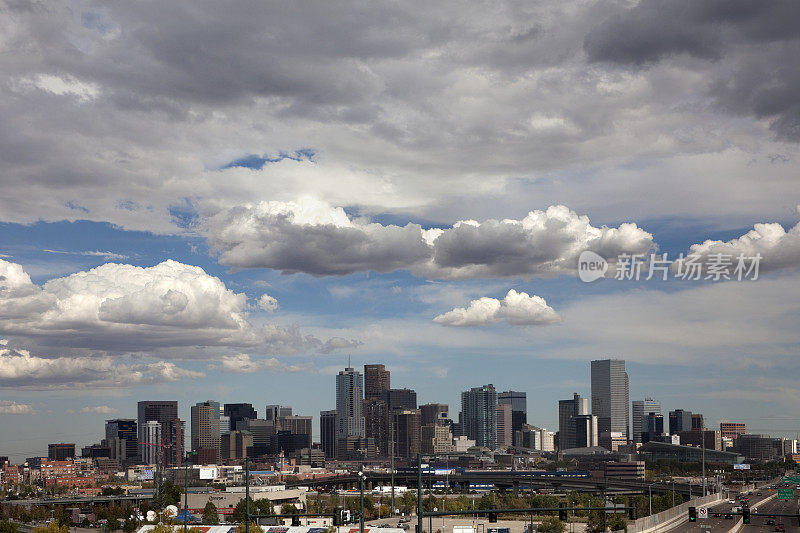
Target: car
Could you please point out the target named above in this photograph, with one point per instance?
(717, 515)
(759, 494)
(770, 522)
(728, 515)
(731, 501)
(779, 527)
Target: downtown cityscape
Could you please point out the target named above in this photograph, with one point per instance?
(336, 266)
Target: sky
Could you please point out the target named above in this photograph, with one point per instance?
(230, 201)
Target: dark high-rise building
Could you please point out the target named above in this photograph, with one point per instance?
(327, 432)
(205, 432)
(434, 413)
(639, 411)
(294, 433)
(519, 408)
(479, 415)
(679, 420)
(263, 432)
(273, 412)
(568, 410)
(585, 431)
(697, 422)
(238, 414)
(407, 432)
(61, 451)
(173, 432)
(400, 398)
(653, 427)
(166, 414)
(376, 380)
(124, 432)
(610, 398)
(376, 424)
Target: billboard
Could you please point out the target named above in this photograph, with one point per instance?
(208, 473)
(743, 466)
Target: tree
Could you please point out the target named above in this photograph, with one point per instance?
(6, 526)
(408, 502)
(617, 522)
(262, 506)
(129, 526)
(551, 524)
(254, 528)
(52, 527)
(210, 515)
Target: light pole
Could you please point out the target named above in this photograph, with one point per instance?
(650, 490)
(361, 477)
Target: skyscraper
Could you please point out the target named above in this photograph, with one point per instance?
(585, 430)
(61, 451)
(479, 415)
(408, 435)
(349, 404)
(205, 432)
(519, 407)
(639, 411)
(150, 437)
(568, 410)
(273, 412)
(125, 432)
(697, 422)
(376, 380)
(434, 413)
(610, 399)
(505, 432)
(166, 414)
(327, 432)
(679, 420)
(238, 414)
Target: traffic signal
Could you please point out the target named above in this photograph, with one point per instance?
(337, 516)
(295, 517)
(492, 517)
(745, 515)
(692, 514)
(345, 517)
(562, 513)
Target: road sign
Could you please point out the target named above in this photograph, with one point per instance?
(785, 494)
(702, 512)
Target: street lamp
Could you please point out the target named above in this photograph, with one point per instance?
(361, 477)
(650, 490)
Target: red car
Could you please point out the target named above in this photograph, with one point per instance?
(779, 527)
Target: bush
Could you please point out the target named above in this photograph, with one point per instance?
(551, 524)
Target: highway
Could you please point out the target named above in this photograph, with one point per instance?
(758, 523)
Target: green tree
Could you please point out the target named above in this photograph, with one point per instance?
(52, 527)
(551, 524)
(254, 528)
(617, 522)
(210, 515)
(408, 502)
(262, 506)
(130, 525)
(6, 526)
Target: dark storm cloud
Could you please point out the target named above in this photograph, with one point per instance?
(755, 41)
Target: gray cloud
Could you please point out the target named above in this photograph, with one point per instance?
(313, 237)
(751, 40)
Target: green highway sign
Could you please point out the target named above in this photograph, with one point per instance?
(785, 494)
(791, 479)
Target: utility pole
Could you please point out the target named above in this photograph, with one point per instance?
(419, 493)
(703, 444)
(247, 494)
(361, 477)
(391, 447)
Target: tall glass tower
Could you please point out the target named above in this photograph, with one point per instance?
(349, 404)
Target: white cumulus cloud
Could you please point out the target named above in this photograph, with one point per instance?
(517, 308)
(20, 369)
(243, 364)
(777, 247)
(128, 308)
(100, 410)
(313, 237)
(267, 303)
(8, 407)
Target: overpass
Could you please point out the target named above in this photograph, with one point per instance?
(502, 480)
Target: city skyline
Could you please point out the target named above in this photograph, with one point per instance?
(238, 201)
(349, 377)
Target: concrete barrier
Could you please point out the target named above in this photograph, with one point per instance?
(666, 520)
